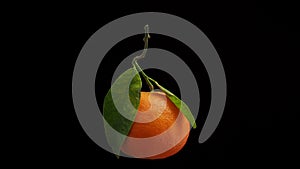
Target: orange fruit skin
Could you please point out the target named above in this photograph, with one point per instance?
(156, 116)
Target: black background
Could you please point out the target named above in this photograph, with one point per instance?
(257, 43)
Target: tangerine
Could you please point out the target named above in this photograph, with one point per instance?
(160, 130)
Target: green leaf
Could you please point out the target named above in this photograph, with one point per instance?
(120, 107)
(178, 103)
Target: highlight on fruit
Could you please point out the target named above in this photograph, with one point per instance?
(151, 124)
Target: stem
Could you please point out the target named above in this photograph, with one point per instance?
(147, 36)
(150, 85)
(141, 56)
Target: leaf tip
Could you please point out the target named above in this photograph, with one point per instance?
(194, 125)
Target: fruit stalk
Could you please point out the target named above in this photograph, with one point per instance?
(141, 56)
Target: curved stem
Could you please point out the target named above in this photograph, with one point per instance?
(134, 61)
(147, 36)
